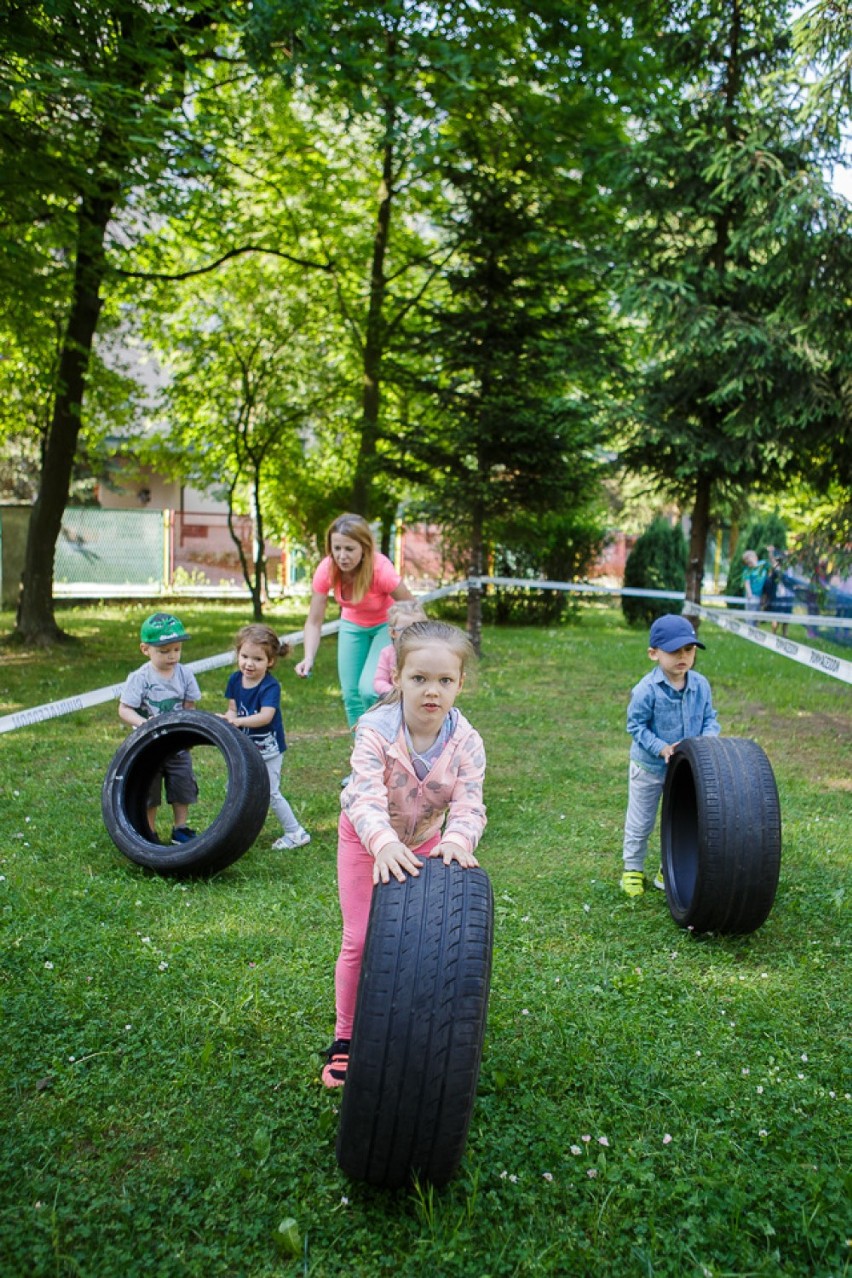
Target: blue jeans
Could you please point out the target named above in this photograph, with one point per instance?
(644, 790)
(358, 649)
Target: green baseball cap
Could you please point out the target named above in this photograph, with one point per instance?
(162, 628)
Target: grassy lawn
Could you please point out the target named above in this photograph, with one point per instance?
(650, 1103)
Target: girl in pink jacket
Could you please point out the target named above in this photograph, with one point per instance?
(415, 791)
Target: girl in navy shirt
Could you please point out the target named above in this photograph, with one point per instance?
(254, 706)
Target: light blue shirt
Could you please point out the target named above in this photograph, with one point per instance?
(659, 715)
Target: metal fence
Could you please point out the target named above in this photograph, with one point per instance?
(149, 552)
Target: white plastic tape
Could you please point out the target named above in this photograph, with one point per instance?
(806, 656)
(833, 666)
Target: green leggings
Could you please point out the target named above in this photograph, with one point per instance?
(358, 649)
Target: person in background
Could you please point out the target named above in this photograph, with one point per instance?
(161, 685)
(668, 705)
(400, 615)
(777, 593)
(754, 575)
(365, 584)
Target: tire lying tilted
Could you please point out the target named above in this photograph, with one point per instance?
(419, 1027)
(721, 835)
(125, 791)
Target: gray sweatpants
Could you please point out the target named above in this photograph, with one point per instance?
(643, 798)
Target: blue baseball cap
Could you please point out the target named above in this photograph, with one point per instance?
(672, 632)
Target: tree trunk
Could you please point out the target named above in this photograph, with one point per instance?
(698, 540)
(362, 482)
(36, 622)
(474, 594)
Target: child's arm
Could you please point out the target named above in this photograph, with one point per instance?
(710, 726)
(640, 720)
(383, 681)
(128, 715)
(258, 720)
(466, 817)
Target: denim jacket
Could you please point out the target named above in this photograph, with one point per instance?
(659, 715)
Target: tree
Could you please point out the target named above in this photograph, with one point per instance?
(656, 562)
(723, 191)
(91, 114)
(244, 388)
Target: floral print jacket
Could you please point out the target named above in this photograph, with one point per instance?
(386, 802)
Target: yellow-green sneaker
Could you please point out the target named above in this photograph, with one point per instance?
(633, 882)
(659, 881)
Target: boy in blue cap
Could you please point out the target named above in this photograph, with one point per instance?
(163, 684)
(671, 703)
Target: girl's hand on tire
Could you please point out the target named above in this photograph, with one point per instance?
(455, 852)
(397, 860)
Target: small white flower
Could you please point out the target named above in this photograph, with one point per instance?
(763, 1133)
(547, 1175)
(344, 1201)
(592, 1173)
(575, 1150)
(746, 1071)
(503, 1175)
(2, 878)
(586, 908)
(585, 1139)
(763, 976)
(127, 1027)
(602, 1140)
(146, 940)
(805, 1057)
(697, 1053)
(759, 1090)
(72, 1059)
(49, 965)
(27, 820)
(667, 1140)
(800, 1076)
(513, 1178)
(162, 966)
(525, 1011)
(832, 1095)
(17, 795)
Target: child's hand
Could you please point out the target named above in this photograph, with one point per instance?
(395, 859)
(453, 852)
(668, 751)
(229, 715)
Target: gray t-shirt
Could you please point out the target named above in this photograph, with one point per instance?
(151, 693)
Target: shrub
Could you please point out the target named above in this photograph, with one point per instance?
(656, 562)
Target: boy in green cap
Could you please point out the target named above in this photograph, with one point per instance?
(163, 684)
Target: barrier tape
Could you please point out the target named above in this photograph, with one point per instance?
(833, 666)
(822, 661)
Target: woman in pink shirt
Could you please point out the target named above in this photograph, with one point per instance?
(365, 584)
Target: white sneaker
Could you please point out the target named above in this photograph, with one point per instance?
(295, 839)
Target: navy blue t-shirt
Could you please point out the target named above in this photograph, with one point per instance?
(269, 739)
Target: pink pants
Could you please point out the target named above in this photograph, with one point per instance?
(355, 888)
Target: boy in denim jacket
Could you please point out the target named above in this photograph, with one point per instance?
(671, 703)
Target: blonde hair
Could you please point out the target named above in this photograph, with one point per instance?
(409, 609)
(357, 529)
(417, 635)
(265, 637)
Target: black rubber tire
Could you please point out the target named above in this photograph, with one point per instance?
(720, 835)
(125, 792)
(419, 1027)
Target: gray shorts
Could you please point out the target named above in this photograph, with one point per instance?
(181, 785)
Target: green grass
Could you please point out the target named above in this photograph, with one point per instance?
(162, 1110)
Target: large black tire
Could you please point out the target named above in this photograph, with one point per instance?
(721, 835)
(139, 758)
(419, 1027)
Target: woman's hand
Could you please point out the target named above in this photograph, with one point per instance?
(303, 669)
(397, 860)
(455, 852)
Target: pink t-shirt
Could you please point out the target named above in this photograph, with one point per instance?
(373, 608)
